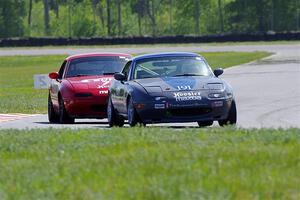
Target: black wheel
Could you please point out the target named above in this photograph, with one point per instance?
(205, 123)
(232, 116)
(131, 113)
(52, 116)
(112, 117)
(64, 118)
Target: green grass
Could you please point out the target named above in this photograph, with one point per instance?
(16, 77)
(16, 82)
(229, 59)
(150, 163)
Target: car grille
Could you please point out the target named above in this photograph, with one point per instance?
(189, 111)
(98, 108)
(83, 94)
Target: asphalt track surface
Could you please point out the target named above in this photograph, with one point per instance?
(267, 92)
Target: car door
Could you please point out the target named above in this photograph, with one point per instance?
(55, 85)
(121, 90)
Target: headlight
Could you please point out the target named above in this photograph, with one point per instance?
(216, 95)
(215, 86)
(153, 89)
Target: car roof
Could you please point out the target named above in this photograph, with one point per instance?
(166, 54)
(85, 55)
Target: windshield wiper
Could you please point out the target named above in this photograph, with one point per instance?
(188, 75)
(109, 73)
(79, 75)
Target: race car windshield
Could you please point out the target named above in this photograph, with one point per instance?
(92, 66)
(171, 67)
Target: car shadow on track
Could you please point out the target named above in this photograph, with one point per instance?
(101, 124)
(48, 123)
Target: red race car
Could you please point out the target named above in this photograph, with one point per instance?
(80, 88)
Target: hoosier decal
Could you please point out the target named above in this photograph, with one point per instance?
(187, 96)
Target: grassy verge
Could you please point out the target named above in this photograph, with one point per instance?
(16, 82)
(16, 77)
(150, 163)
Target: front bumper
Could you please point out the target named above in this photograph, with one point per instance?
(163, 112)
(91, 107)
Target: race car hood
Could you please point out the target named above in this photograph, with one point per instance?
(98, 83)
(170, 84)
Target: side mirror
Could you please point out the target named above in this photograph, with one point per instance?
(53, 75)
(218, 72)
(120, 76)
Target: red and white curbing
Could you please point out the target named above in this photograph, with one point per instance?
(13, 116)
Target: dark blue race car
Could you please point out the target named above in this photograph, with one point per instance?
(170, 87)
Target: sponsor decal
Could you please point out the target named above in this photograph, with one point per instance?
(187, 96)
(105, 83)
(103, 92)
(103, 80)
(190, 105)
(125, 58)
(159, 106)
(160, 98)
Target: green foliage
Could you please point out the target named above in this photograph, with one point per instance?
(263, 15)
(16, 77)
(85, 18)
(150, 163)
(81, 23)
(11, 18)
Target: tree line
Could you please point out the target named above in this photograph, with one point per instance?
(92, 18)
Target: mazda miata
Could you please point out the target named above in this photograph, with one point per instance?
(170, 87)
(80, 88)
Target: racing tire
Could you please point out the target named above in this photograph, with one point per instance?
(64, 118)
(132, 115)
(205, 123)
(232, 116)
(112, 117)
(52, 116)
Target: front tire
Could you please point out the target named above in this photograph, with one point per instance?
(64, 118)
(131, 113)
(112, 117)
(52, 116)
(232, 116)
